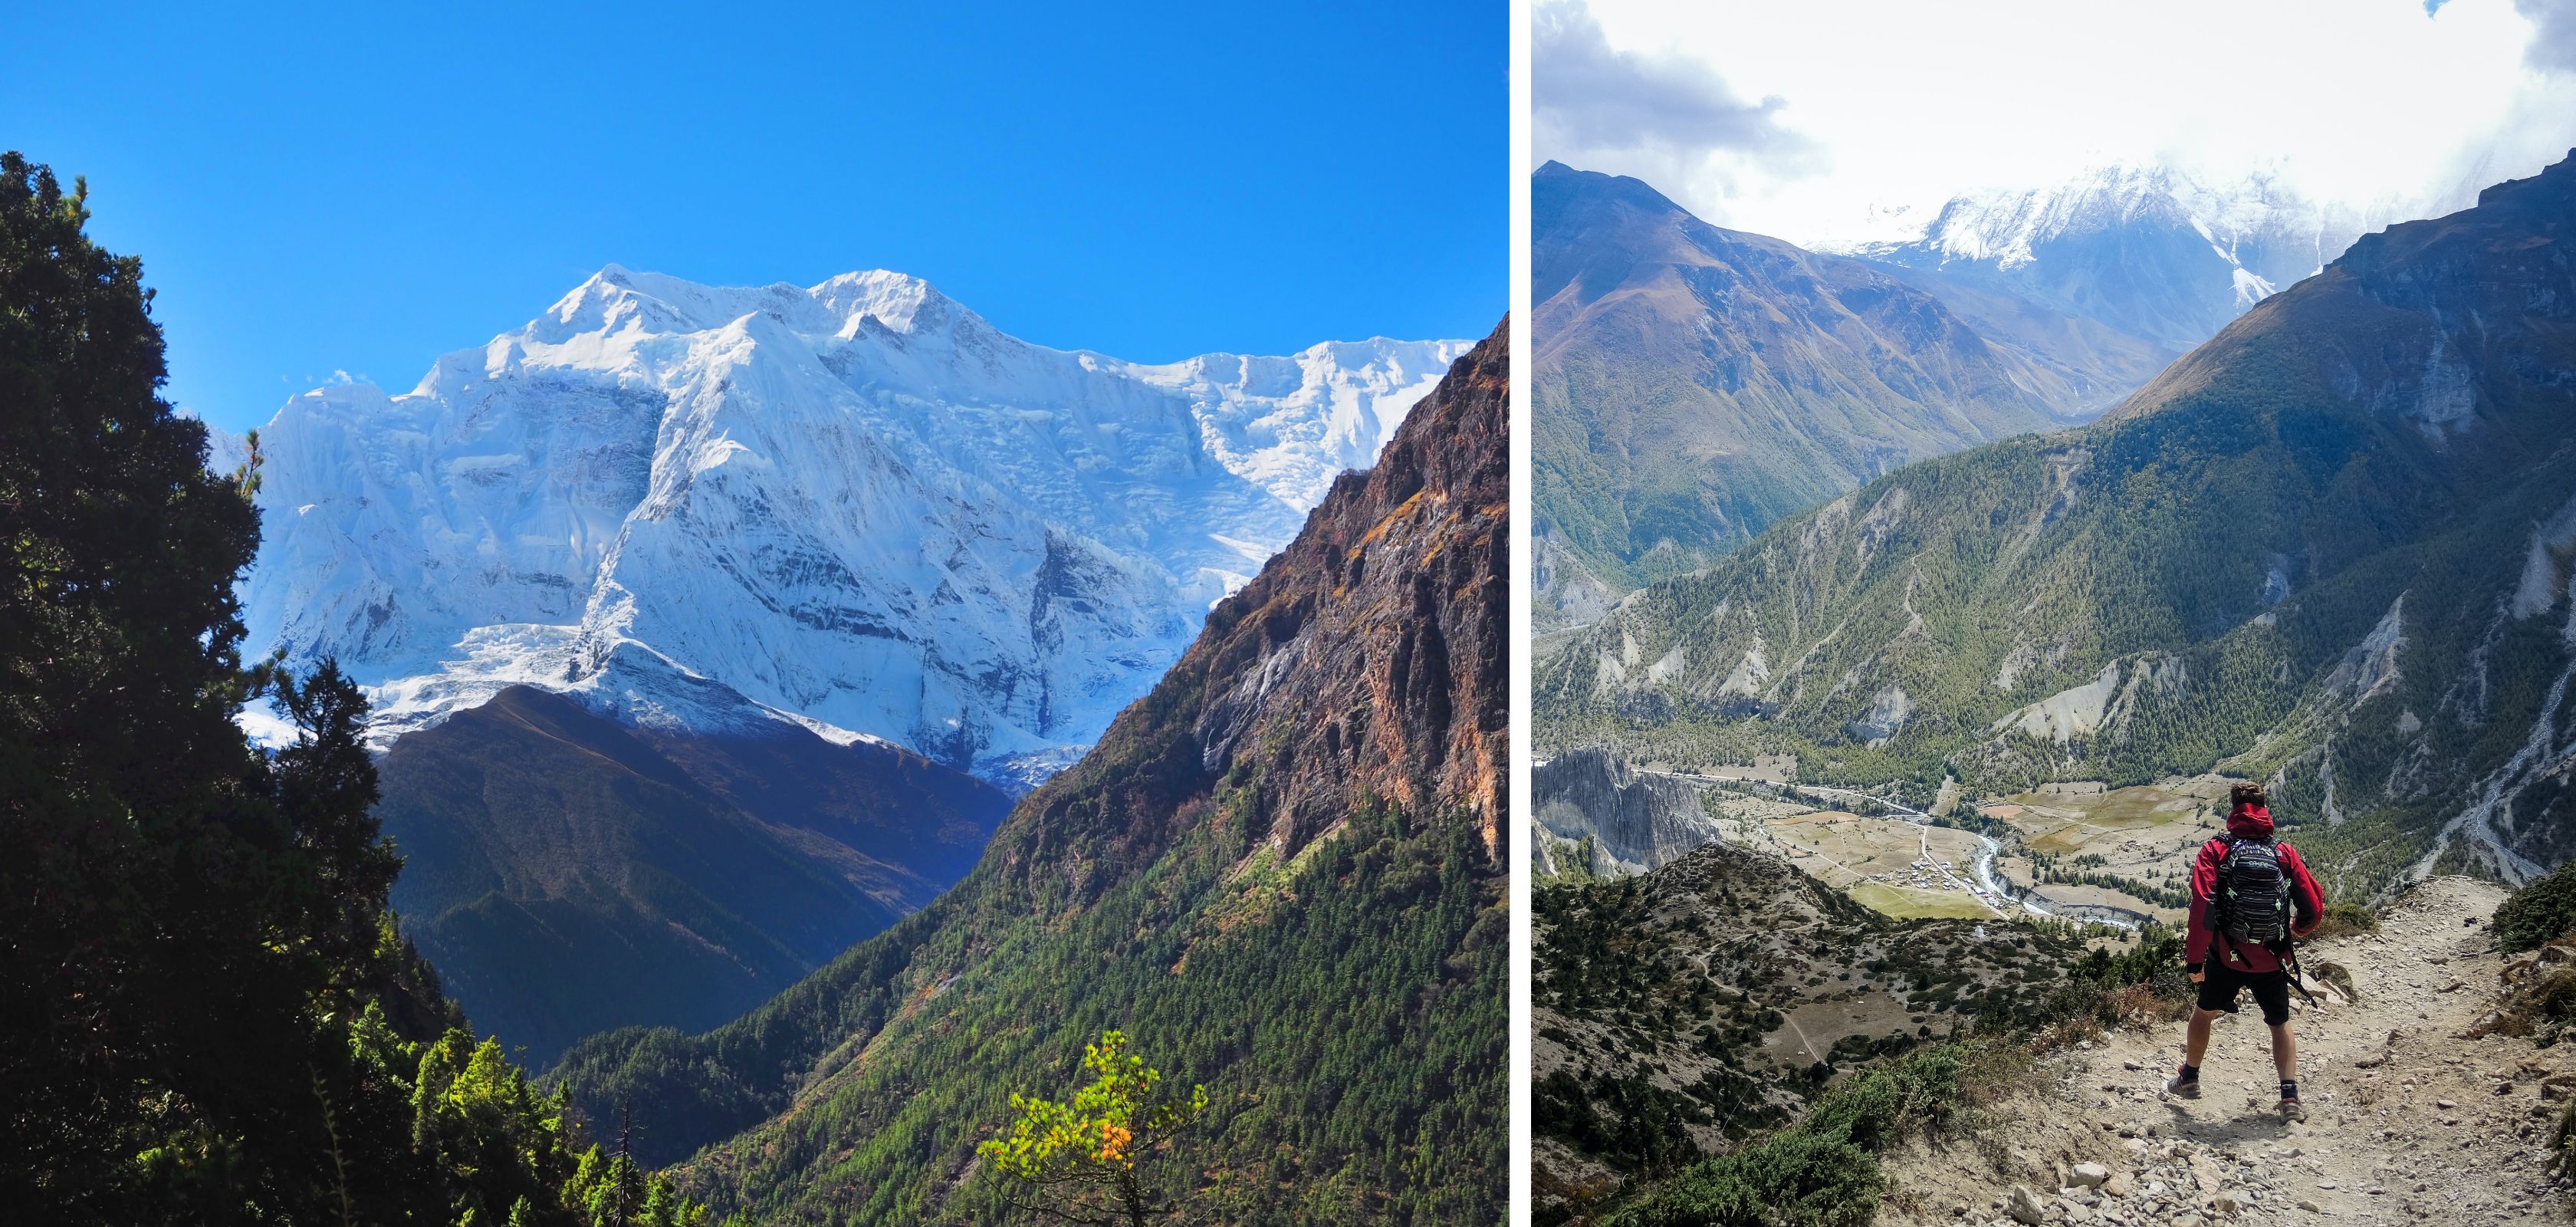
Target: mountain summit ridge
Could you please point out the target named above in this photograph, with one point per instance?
(855, 506)
(1694, 383)
(2147, 249)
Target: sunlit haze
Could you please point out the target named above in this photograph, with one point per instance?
(1817, 121)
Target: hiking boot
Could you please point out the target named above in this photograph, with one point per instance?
(2182, 1087)
(2291, 1111)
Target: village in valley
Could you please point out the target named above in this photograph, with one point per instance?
(2077, 851)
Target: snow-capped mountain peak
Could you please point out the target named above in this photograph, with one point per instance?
(2149, 250)
(857, 505)
(892, 299)
(2006, 227)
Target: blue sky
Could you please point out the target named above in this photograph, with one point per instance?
(341, 190)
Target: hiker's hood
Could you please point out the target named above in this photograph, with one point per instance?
(2250, 822)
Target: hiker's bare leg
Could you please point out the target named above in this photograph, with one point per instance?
(2285, 1053)
(2195, 1038)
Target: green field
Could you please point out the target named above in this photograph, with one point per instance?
(1907, 903)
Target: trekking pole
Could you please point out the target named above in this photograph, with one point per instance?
(2298, 974)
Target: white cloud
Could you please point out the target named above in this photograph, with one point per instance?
(1896, 102)
(2553, 34)
(1587, 95)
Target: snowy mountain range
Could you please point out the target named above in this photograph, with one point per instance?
(2150, 251)
(858, 507)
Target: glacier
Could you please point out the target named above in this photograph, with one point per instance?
(856, 507)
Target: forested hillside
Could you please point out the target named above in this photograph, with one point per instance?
(1279, 874)
(207, 1013)
(2330, 548)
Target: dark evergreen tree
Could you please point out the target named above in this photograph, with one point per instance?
(207, 1013)
(136, 844)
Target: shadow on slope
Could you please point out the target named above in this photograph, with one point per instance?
(568, 874)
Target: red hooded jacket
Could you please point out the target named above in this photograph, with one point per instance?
(2307, 903)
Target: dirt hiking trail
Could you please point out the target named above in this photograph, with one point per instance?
(2408, 1121)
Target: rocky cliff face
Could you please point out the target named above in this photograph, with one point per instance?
(1694, 384)
(2329, 548)
(1299, 821)
(1634, 822)
(1369, 659)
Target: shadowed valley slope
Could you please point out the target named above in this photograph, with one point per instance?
(568, 874)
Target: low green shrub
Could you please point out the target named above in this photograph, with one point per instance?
(1794, 1178)
(1822, 1172)
(2346, 919)
(2103, 990)
(2541, 911)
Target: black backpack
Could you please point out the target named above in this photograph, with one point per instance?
(2253, 895)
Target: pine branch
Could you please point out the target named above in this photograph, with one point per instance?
(331, 1129)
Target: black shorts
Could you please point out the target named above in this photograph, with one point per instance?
(2219, 988)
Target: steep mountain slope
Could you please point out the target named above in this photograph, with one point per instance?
(1680, 1011)
(2142, 252)
(568, 875)
(857, 504)
(2096, 364)
(2330, 548)
(1279, 871)
(1695, 384)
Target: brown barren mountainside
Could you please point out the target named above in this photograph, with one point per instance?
(2455, 327)
(1694, 384)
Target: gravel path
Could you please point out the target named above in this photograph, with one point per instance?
(2408, 1122)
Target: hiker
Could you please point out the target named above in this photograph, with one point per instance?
(2250, 898)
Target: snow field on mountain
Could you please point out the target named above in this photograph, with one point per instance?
(857, 506)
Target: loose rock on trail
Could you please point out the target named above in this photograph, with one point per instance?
(2408, 1119)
